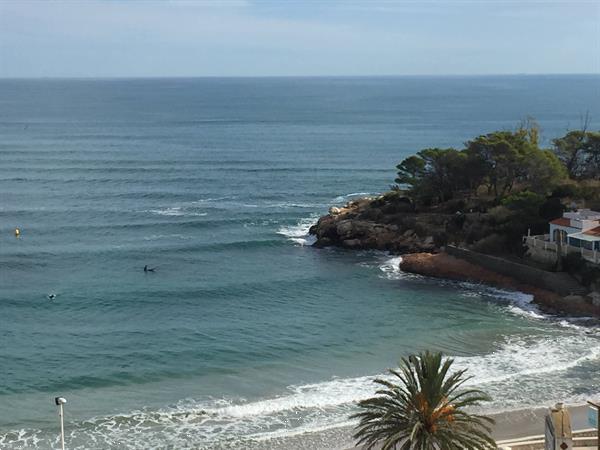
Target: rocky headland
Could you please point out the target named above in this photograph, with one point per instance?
(443, 265)
(373, 223)
(391, 223)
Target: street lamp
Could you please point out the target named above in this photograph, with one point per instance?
(60, 401)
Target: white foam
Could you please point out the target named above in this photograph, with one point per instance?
(530, 369)
(176, 211)
(293, 205)
(520, 303)
(391, 267)
(210, 200)
(298, 233)
(345, 198)
(521, 372)
(156, 237)
(520, 358)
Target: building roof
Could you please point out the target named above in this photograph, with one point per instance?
(585, 237)
(582, 214)
(561, 221)
(593, 232)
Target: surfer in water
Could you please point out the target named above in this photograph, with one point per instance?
(149, 269)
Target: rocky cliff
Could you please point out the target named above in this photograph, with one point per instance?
(390, 222)
(371, 223)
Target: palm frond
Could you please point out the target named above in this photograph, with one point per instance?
(422, 407)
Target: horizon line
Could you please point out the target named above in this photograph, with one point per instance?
(424, 75)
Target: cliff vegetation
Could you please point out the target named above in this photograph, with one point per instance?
(484, 196)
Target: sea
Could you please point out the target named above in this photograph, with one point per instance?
(245, 336)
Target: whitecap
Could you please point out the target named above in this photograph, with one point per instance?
(391, 268)
(156, 237)
(294, 205)
(345, 198)
(177, 211)
(519, 303)
(298, 233)
(520, 372)
(173, 211)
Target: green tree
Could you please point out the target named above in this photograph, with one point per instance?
(435, 173)
(410, 170)
(503, 156)
(510, 159)
(526, 202)
(424, 409)
(442, 169)
(543, 171)
(570, 150)
(579, 151)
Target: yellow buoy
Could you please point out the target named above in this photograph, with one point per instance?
(17, 232)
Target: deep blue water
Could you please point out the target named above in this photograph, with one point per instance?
(245, 335)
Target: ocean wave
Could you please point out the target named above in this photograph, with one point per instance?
(517, 302)
(526, 357)
(391, 268)
(157, 237)
(176, 211)
(523, 372)
(345, 198)
(298, 233)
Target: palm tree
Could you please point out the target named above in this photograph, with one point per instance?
(423, 410)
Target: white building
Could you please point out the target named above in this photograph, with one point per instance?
(579, 229)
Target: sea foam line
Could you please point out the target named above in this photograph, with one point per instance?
(519, 303)
(298, 233)
(345, 198)
(516, 369)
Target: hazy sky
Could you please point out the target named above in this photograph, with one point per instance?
(101, 38)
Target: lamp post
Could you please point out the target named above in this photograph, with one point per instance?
(60, 401)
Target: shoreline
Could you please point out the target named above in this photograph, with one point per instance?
(445, 266)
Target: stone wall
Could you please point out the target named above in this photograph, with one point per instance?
(559, 282)
(542, 252)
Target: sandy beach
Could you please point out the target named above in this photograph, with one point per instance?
(529, 422)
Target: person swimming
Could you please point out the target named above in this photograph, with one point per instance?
(149, 269)
(51, 296)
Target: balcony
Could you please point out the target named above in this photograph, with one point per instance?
(541, 243)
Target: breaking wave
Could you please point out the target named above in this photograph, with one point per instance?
(526, 369)
(298, 233)
(347, 197)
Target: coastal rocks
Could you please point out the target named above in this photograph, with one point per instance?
(352, 243)
(354, 226)
(442, 265)
(595, 298)
(575, 299)
(392, 223)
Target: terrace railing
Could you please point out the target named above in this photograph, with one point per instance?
(542, 241)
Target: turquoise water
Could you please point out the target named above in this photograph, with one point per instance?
(245, 336)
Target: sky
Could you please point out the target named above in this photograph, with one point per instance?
(138, 38)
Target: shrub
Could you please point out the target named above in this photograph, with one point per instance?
(492, 244)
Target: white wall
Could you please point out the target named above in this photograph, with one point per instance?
(569, 230)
